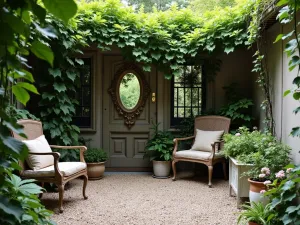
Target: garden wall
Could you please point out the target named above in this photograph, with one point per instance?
(281, 80)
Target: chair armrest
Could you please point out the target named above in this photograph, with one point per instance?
(176, 140)
(82, 149)
(219, 145)
(56, 156)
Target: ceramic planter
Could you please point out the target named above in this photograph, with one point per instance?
(95, 171)
(161, 169)
(254, 193)
(253, 223)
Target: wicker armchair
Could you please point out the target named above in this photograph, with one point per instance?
(209, 158)
(58, 173)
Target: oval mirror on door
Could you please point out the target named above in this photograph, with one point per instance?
(129, 91)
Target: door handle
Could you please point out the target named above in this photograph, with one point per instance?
(153, 98)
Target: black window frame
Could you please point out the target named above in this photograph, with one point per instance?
(81, 118)
(175, 121)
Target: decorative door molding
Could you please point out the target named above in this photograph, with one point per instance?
(129, 115)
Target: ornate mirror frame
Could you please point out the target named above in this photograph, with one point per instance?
(129, 115)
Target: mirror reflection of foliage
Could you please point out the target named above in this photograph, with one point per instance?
(129, 90)
(24, 31)
(191, 75)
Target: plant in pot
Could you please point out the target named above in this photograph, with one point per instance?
(266, 154)
(284, 193)
(159, 149)
(95, 159)
(256, 214)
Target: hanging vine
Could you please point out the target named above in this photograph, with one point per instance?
(288, 14)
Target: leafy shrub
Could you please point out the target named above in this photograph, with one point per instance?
(160, 146)
(94, 155)
(283, 194)
(261, 150)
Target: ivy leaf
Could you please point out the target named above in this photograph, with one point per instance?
(55, 72)
(286, 93)
(79, 61)
(147, 68)
(65, 109)
(295, 61)
(296, 95)
(296, 81)
(156, 55)
(278, 38)
(71, 75)
(229, 49)
(62, 9)
(59, 87)
(296, 110)
(295, 132)
(42, 51)
(169, 56)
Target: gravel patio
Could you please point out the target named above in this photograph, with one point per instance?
(137, 198)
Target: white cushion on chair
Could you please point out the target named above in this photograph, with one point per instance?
(38, 145)
(66, 168)
(204, 139)
(194, 154)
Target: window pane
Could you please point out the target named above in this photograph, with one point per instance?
(187, 93)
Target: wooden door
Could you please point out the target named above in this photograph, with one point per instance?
(126, 142)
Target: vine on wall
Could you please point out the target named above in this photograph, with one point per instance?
(288, 14)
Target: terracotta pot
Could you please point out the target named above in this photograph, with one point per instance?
(253, 223)
(254, 193)
(95, 171)
(161, 169)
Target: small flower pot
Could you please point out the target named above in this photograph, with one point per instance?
(255, 194)
(95, 171)
(161, 169)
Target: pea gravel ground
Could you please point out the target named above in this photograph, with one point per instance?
(139, 199)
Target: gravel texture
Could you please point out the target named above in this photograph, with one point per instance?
(139, 199)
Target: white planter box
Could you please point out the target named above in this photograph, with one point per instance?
(237, 184)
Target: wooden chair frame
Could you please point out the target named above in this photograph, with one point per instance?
(213, 123)
(58, 179)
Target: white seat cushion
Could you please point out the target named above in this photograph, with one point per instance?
(66, 168)
(38, 145)
(195, 154)
(204, 139)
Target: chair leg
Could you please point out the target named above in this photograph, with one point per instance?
(224, 170)
(174, 170)
(61, 189)
(85, 180)
(210, 172)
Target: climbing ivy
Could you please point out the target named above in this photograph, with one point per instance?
(288, 14)
(168, 39)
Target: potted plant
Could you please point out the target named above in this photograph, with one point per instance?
(95, 159)
(159, 149)
(262, 151)
(256, 214)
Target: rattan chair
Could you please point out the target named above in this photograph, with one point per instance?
(205, 123)
(60, 172)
